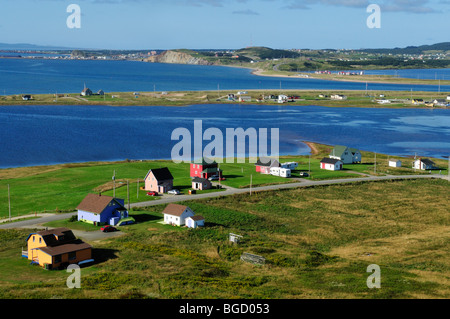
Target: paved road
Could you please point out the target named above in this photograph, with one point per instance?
(37, 222)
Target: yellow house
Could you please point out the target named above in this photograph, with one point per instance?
(56, 248)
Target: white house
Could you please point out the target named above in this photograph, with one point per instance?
(195, 221)
(423, 164)
(282, 172)
(338, 97)
(331, 164)
(282, 98)
(345, 154)
(175, 214)
(448, 97)
(395, 163)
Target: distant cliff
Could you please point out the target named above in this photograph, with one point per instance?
(178, 57)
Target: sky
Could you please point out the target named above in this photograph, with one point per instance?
(225, 24)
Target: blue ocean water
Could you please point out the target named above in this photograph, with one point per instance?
(35, 76)
(38, 135)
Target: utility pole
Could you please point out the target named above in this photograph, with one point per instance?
(375, 166)
(137, 191)
(251, 184)
(114, 184)
(128, 195)
(309, 169)
(9, 204)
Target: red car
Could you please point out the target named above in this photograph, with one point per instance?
(152, 193)
(108, 228)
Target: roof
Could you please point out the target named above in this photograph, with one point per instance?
(211, 170)
(67, 248)
(266, 161)
(329, 160)
(160, 174)
(338, 150)
(174, 209)
(427, 161)
(64, 234)
(204, 161)
(96, 203)
(199, 180)
(197, 217)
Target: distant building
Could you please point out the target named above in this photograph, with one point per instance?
(264, 164)
(26, 97)
(100, 209)
(331, 164)
(245, 98)
(346, 155)
(424, 164)
(338, 97)
(159, 180)
(201, 183)
(86, 92)
(100, 92)
(440, 102)
(175, 214)
(395, 163)
(195, 221)
(205, 168)
(54, 248)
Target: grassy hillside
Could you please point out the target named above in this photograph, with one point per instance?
(317, 243)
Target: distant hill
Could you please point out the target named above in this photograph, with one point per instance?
(262, 53)
(28, 46)
(443, 47)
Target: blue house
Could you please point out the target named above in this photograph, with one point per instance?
(99, 209)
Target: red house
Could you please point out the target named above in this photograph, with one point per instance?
(263, 165)
(205, 168)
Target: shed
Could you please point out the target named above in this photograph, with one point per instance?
(331, 164)
(195, 221)
(395, 163)
(199, 183)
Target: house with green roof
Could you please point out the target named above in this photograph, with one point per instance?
(346, 155)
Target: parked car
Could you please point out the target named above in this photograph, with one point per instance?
(214, 178)
(108, 228)
(174, 192)
(152, 193)
(304, 174)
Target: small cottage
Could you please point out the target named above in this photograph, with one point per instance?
(195, 221)
(395, 163)
(201, 183)
(159, 180)
(424, 164)
(331, 164)
(175, 214)
(100, 209)
(55, 248)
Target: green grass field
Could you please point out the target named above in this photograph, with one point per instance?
(317, 243)
(60, 188)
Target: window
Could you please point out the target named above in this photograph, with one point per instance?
(72, 255)
(40, 240)
(33, 238)
(58, 259)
